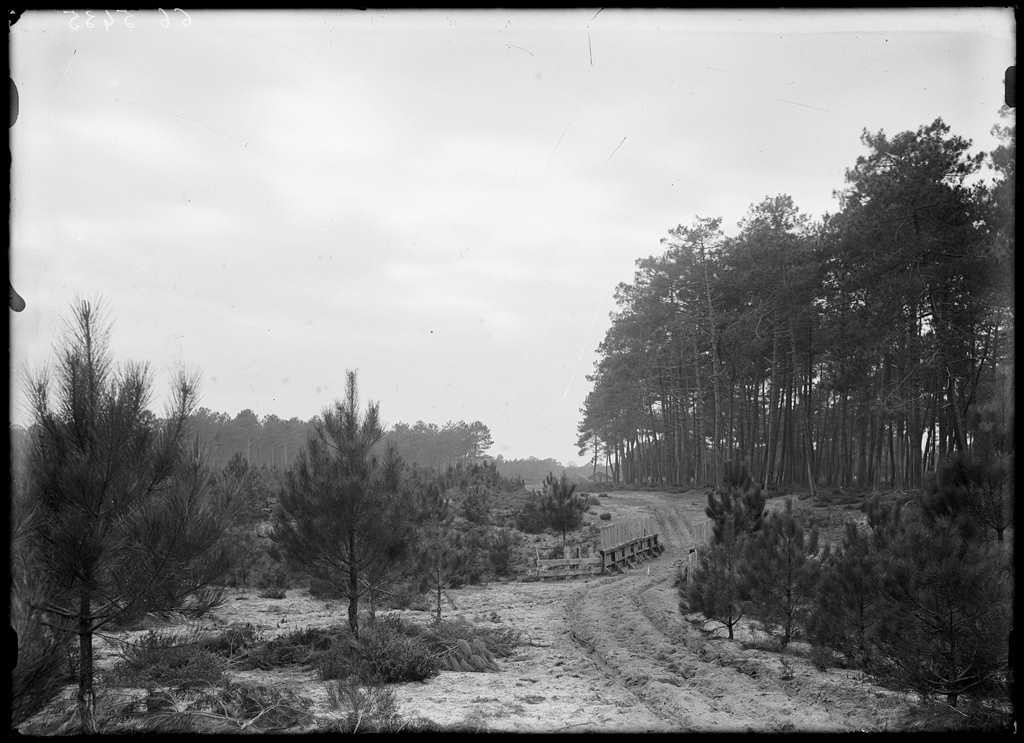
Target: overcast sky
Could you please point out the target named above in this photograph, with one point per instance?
(443, 201)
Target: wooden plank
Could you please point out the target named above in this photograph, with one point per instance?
(545, 563)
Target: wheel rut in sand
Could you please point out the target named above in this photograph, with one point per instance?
(633, 629)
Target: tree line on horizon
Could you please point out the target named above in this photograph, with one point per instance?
(862, 349)
(274, 443)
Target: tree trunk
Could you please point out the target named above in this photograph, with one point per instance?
(438, 576)
(769, 455)
(716, 387)
(86, 693)
(698, 415)
(808, 405)
(353, 588)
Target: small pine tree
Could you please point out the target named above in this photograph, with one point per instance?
(439, 547)
(716, 589)
(395, 534)
(334, 518)
(947, 610)
(975, 492)
(738, 506)
(476, 506)
(127, 522)
(501, 551)
(563, 505)
(885, 519)
(848, 599)
(992, 504)
(532, 518)
(780, 570)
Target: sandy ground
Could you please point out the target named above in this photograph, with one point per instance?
(607, 653)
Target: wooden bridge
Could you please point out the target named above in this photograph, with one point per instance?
(621, 546)
(572, 563)
(624, 545)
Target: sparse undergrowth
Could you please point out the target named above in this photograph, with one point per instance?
(390, 650)
(238, 708)
(161, 658)
(188, 689)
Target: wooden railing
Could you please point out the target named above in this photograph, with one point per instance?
(617, 535)
(623, 545)
(572, 563)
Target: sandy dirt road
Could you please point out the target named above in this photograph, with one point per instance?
(695, 681)
(616, 653)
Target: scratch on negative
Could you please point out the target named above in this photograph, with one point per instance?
(590, 48)
(802, 105)
(616, 148)
(555, 149)
(67, 66)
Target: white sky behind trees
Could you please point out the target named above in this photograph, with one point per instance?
(443, 201)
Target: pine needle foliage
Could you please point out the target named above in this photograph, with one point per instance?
(848, 600)
(127, 523)
(738, 507)
(716, 589)
(563, 505)
(336, 517)
(947, 612)
(780, 570)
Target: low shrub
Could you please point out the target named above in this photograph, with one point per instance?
(298, 648)
(605, 516)
(461, 646)
(339, 662)
(236, 639)
(389, 651)
(272, 593)
(386, 652)
(231, 708)
(167, 659)
(366, 709)
(388, 655)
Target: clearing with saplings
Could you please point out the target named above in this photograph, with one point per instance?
(379, 596)
(778, 496)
